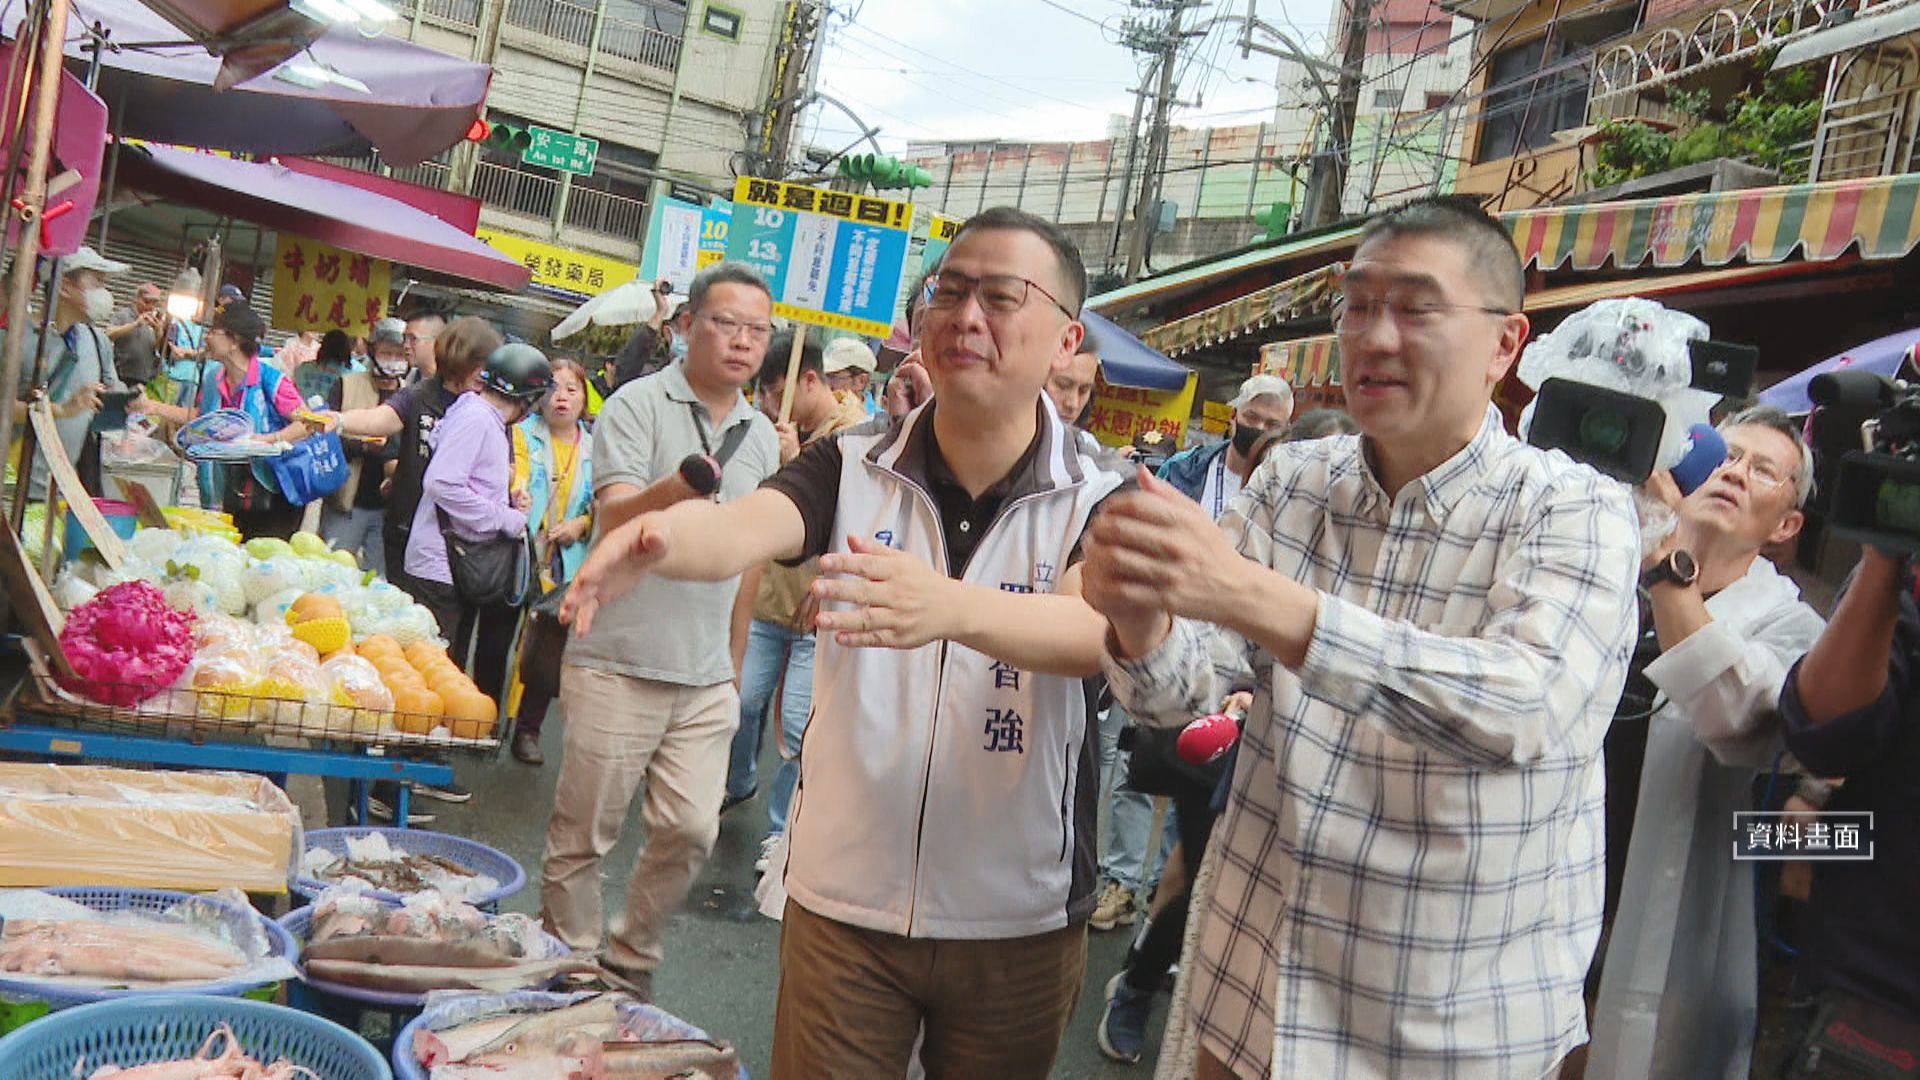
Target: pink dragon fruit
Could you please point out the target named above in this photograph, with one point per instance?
(126, 644)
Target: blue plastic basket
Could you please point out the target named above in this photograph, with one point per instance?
(144, 1030)
(299, 923)
(152, 901)
(471, 854)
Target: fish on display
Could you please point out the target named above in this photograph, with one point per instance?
(116, 952)
(400, 872)
(230, 1064)
(421, 978)
(429, 943)
(581, 1041)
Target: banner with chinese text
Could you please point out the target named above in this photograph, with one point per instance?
(833, 258)
(575, 274)
(672, 249)
(320, 287)
(714, 222)
(1121, 412)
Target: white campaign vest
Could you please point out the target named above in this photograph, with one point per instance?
(942, 794)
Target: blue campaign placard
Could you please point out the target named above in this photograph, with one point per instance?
(832, 258)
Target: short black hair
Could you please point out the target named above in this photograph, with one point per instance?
(773, 370)
(726, 273)
(336, 347)
(1461, 220)
(1072, 270)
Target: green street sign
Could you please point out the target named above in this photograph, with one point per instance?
(559, 150)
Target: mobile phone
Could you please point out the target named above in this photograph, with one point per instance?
(112, 415)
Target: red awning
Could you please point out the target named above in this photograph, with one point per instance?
(333, 213)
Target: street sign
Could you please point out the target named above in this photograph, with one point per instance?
(832, 258)
(559, 150)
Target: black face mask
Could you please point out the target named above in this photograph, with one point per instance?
(1244, 437)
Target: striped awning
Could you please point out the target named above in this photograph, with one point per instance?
(1313, 361)
(1310, 293)
(1760, 225)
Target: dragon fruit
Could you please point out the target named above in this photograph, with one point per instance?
(126, 644)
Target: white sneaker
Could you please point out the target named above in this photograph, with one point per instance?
(767, 844)
(1116, 908)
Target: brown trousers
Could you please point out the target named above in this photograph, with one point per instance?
(852, 1001)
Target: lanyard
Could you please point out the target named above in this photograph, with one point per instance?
(1219, 486)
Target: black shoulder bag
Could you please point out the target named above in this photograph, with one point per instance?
(493, 572)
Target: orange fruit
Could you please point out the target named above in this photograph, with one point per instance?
(415, 723)
(471, 715)
(417, 702)
(314, 606)
(420, 652)
(381, 645)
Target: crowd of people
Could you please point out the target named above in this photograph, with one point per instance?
(1491, 744)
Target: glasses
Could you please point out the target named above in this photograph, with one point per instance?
(1764, 472)
(1354, 314)
(731, 328)
(415, 339)
(1000, 294)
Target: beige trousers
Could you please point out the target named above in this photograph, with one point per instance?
(620, 731)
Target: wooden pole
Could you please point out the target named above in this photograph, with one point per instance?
(793, 372)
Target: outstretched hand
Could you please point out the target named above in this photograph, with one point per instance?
(621, 559)
(901, 602)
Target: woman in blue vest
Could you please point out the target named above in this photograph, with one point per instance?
(553, 464)
(238, 380)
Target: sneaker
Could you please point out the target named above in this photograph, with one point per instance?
(1116, 908)
(1123, 1027)
(732, 800)
(380, 810)
(526, 748)
(767, 844)
(449, 792)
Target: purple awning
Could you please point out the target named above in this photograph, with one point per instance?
(325, 210)
(420, 101)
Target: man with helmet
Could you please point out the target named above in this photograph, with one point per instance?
(467, 486)
(355, 516)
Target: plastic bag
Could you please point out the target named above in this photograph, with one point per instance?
(354, 682)
(272, 610)
(186, 594)
(154, 546)
(70, 590)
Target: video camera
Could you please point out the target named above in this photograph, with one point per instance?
(1627, 386)
(1876, 484)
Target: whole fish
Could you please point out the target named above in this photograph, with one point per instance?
(448, 1045)
(102, 950)
(691, 1058)
(420, 978)
(394, 949)
(596, 1016)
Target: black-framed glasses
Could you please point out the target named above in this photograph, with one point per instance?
(1001, 294)
(756, 332)
(1354, 314)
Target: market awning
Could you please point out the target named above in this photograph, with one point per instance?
(332, 213)
(1868, 29)
(417, 101)
(1309, 361)
(1760, 225)
(1310, 293)
(1125, 360)
(1200, 274)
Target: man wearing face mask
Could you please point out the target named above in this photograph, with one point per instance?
(1210, 475)
(79, 360)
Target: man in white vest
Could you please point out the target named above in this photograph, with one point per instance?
(941, 848)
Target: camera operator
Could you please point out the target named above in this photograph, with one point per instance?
(1849, 714)
(1679, 983)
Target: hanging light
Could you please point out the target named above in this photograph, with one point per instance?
(183, 303)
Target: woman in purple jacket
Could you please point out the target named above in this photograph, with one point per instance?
(469, 482)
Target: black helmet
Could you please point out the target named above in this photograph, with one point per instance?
(518, 371)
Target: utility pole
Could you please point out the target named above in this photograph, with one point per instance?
(1126, 177)
(1165, 42)
(1329, 176)
(793, 71)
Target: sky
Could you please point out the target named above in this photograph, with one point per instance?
(1033, 69)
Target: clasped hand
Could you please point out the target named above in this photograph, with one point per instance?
(1155, 553)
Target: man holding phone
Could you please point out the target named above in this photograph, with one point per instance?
(135, 334)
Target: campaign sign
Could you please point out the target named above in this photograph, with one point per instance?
(832, 258)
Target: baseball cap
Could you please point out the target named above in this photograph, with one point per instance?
(848, 354)
(88, 259)
(1263, 386)
(231, 291)
(240, 321)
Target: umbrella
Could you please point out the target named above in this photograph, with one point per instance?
(1125, 360)
(1882, 356)
(406, 101)
(622, 305)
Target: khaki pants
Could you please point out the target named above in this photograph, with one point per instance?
(621, 730)
(852, 1001)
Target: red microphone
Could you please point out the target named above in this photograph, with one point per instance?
(1208, 739)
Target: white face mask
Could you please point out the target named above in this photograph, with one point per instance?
(99, 304)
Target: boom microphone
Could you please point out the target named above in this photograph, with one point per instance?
(1706, 451)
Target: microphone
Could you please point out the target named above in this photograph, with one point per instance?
(1705, 452)
(1208, 739)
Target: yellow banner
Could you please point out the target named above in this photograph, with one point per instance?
(841, 204)
(1121, 412)
(1215, 416)
(320, 287)
(561, 269)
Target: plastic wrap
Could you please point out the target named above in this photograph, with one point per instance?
(226, 918)
(268, 577)
(195, 831)
(154, 546)
(354, 681)
(1631, 345)
(445, 1009)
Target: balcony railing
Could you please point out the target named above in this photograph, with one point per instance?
(604, 212)
(464, 12)
(511, 189)
(1732, 31)
(433, 174)
(573, 24)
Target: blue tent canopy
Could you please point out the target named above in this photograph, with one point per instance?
(1125, 360)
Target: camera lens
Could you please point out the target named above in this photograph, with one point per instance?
(1603, 431)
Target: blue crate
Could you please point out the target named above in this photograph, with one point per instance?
(471, 854)
(140, 1031)
(299, 923)
(153, 902)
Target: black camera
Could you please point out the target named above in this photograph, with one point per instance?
(1870, 425)
(1619, 433)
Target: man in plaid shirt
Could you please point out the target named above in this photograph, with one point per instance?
(1438, 618)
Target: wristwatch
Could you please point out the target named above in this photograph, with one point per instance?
(1678, 568)
(701, 473)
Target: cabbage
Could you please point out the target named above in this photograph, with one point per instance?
(272, 611)
(263, 579)
(185, 594)
(154, 546)
(126, 644)
(411, 625)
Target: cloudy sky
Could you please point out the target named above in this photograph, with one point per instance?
(1032, 69)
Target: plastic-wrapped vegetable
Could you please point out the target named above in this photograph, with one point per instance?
(287, 680)
(272, 611)
(388, 598)
(126, 644)
(356, 683)
(224, 679)
(187, 594)
(70, 590)
(154, 546)
(265, 578)
(411, 625)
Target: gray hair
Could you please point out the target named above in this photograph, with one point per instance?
(726, 273)
(1776, 419)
